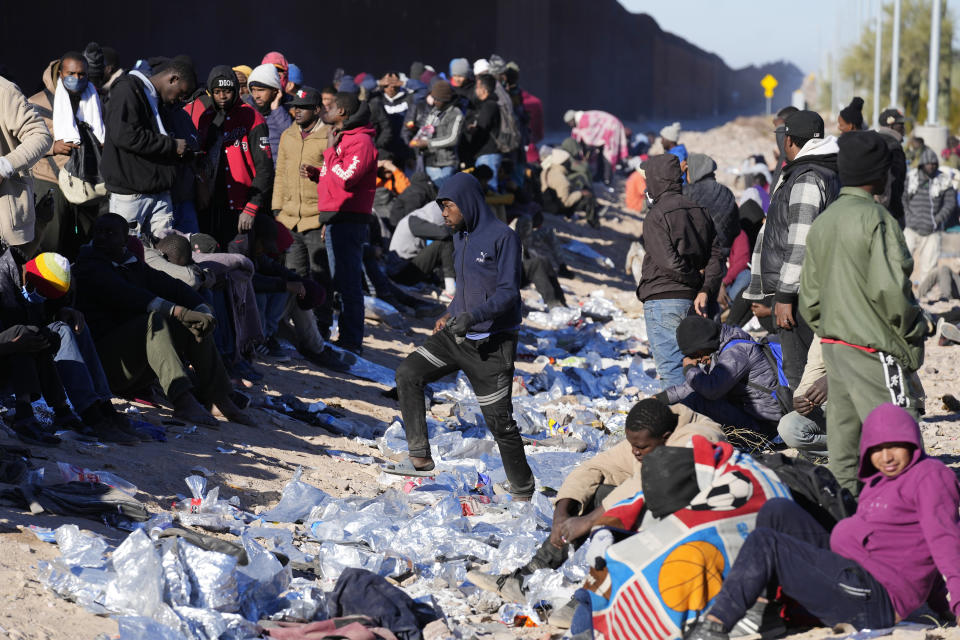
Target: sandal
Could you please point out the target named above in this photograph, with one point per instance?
(406, 468)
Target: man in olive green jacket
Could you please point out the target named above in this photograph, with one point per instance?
(855, 293)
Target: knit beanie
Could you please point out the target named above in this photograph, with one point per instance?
(442, 92)
(651, 415)
(265, 75)
(671, 132)
(223, 77)
(49, 273)
(460, 67)
(416, 69)
(110, 58)
(863, 159)
(928, 156)
(294, 74)
(570, 117)
(853, 113)
(497, 64)
(347, 85)
(696, 334)
(481, 67)
(93, 54)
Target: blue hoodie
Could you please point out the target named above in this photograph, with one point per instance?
(487, 259)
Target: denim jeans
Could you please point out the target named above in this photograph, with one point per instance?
(271, 307)
(807, 434)
(739, 283)
(185, 217)
(150, 212)
(491, 160)
(439, 175)
(662, 318)
(345, 242)
(79, 367)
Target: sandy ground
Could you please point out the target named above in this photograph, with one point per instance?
(266, 456)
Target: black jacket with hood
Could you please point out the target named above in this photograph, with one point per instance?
(683, 257)
(702, 187)
(137, 158)
(487, 259)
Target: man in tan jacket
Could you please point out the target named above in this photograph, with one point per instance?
(23, 141)
(597, 484)
(559, 195)
(295, 196)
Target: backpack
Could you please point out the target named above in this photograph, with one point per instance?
(508, 137)
(773, 352)
(813, 487)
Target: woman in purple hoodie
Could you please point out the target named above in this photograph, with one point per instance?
(900, 549)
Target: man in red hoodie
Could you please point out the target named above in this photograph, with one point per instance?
(900, 549)
(345, 187)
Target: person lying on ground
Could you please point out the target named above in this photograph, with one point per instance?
(600, 482)
(146, 324)
(38, 293)
(900, 549)
(727, 377)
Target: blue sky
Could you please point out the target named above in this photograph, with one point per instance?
(745, 32)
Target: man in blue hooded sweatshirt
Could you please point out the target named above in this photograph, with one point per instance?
(477, 335)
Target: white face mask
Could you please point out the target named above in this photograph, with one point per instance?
(649, 199)
(430, 100)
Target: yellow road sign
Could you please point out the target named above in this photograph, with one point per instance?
(769, 83)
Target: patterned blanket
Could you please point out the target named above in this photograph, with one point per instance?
(662, 578)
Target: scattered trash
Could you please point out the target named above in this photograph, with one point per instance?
(384, 312)
(73, 473)
(585, 251)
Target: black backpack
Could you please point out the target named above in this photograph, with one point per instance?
(813, 487)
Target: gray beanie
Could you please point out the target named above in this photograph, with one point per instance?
(460, 67)
(928, 156)
(671, 132)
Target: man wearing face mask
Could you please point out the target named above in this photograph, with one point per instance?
(928, 201)
(727, 377)
(140, 158)
(68, 102)
(236, 139)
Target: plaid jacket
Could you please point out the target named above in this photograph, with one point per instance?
(782, 243)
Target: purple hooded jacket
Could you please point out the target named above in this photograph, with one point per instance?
(906, 531)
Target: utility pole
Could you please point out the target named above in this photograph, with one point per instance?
(933, 73)
(895, 58)
(876, 64)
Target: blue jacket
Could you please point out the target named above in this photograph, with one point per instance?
(487, 260)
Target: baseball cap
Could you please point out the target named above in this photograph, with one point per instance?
(804, 124)
(306, 97)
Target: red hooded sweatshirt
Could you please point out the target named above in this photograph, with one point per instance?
(906, 531)
(348, 178)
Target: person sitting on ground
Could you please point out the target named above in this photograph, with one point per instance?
(559, 196)
(727, 377)
(37, 293)
(600, 482)
(805, 428)
(26, 366)
(900, 549)
(173, 256)
(421, 243)
(146, 324)
(538, 269)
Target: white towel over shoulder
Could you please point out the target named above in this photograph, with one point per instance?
(89, 111)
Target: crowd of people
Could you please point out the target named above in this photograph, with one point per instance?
(161, 236)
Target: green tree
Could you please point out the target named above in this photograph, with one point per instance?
(857, 62)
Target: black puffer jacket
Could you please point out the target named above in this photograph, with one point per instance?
(682, 257)
(702, 187)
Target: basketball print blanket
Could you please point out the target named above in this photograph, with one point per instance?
(663, 577)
